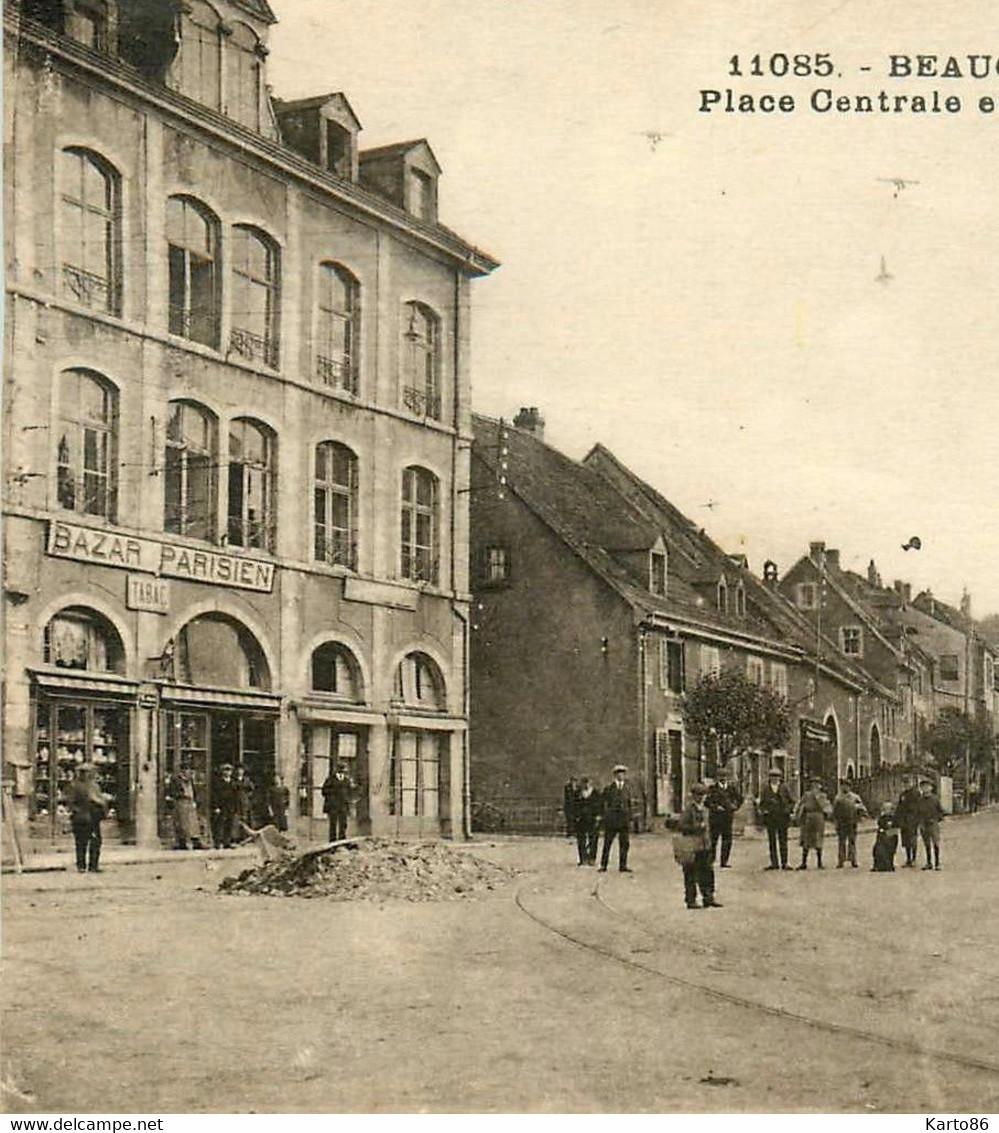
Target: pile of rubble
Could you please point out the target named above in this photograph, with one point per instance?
(373, 869)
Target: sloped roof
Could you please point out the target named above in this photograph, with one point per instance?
(286, 106)
(398, 148)
(259, 8)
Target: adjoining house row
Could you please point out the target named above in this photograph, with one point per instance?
(237, 430)
(598, 604)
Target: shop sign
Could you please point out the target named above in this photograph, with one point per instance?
(145, 593)
(107, 548)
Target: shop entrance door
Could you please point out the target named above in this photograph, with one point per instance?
(248, 742)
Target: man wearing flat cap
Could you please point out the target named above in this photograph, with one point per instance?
(722, 799)
(698, 871)
(87, 807)
(775, 806)
(616, 815)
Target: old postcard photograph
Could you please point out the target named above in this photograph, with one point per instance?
(500, 604)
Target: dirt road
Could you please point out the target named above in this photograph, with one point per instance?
(144, 989)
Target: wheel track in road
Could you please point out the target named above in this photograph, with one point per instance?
(841, 1029)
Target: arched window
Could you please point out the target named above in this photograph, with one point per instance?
(722, 596)
(335, 671)
(215, 651)
(190, 478)
(193, 242)
(80, 638)
(419, 684)
(86, 444)
(252, 473)
(740, 600)
(875, 747)
(90, 236)
(420, 519)
(335, 496)
(255, 291)
(337, 328)
(242, 76)
(200, 59)
(421, 361)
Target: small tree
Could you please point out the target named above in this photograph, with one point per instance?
(741, 716)
(955, 736)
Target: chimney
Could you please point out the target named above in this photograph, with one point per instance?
(529, 420)
(832, 559)
(816, 551)
(966, 603)
(904, 591)
(770, 577)
(873, 578)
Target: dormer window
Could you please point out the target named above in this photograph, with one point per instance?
(406, 174)
(339, 145)
(423, 204)
(88, 24)
(722, 596)
(657, 573)
(740, 600)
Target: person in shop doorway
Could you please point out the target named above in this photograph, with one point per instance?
(245, 792)
(775, 806)
(338, 796)
(697, 859)
(616, 816)
(723, 799)
(813, 810)
(930, 814)
(587, 822)
(848, 808)
(87, 807)
(907, 819)
(225, 807)
(278, 801)
(180, 791)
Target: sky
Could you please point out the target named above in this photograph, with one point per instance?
(743, 307)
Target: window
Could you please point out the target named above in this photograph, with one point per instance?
(78, 638)
(740, 600)
(754, 670)
(88, 24)
(337, 328)
(417, 762)
(201, 55)
(778, 678)
(86, 449)
(494, 566)
(989, 673)
(806, 595)
(657, 572)
(420, 362)
(710, 660)
(722, 596)
(90, 236)
(189, 475)
(851, 641)
(335, 499)
(419, 684)
(949, 670)
(334, 670)
(192, 240)
(339, 144)
(251, 485)
(216, 651)
(419, 525)
(255, 296)
(671, 665)
(243, 76)
(423, 203)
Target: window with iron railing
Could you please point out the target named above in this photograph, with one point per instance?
(90, 234)
(86, 444)
(420, 383)
(192, 253)
(190, 473)
(252, 475)
(420, 521)
(337, 328)
(255, 297)
(335, 501)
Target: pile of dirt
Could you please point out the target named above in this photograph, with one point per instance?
(373, 869)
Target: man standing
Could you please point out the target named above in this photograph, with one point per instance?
(87, 807)
(848, 807)
(775, 807)
(570, 802)
(698, 872)
(587, 819)
(929, 812)
(617, 819)
(225, 807)
(180, 789)
(907, 819)
(338, 795)
(722, 799)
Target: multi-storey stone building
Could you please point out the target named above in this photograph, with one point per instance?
(236, 428)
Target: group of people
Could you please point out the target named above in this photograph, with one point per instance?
(237, 804)
(705, 826)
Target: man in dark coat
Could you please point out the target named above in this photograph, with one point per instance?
(698, 873)
(848, 808)
(587, 820)
(616, 814)
(225, 808)
(775, 806)
(723, 799)
(930, 813)
(907, 819)
(87, 807)
(570, 801)
(338, 796)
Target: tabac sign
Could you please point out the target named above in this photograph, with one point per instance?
(152, 556)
